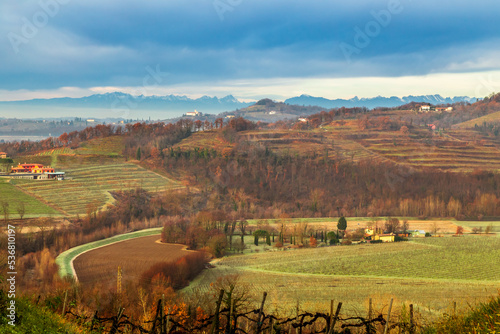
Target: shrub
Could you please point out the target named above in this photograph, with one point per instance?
(483, 319)
(177, 273)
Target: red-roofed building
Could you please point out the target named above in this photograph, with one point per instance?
(32, 168)
(3, 155)
(35, 172)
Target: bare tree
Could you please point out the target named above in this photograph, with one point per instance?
(406, 226)
(21, 209)
(435, 228)
(5, 209)
(392, 225)
(243, 225)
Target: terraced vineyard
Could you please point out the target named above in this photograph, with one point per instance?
(32, 206)
(92, 184)
(442, 153)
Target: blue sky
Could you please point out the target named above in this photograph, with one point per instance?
(251, 49)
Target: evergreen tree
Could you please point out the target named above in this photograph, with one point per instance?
(342, 225)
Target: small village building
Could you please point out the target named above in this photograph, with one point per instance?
(417, 233)
(35, 172)
(304, 120)
(374, 235)
(193, 113)
(425, 108)
(384, 237)
(3, 155)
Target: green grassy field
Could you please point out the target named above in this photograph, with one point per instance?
(430, 273)
(491, 118)
(14, 196)
(93, 184)
(465, 258)
(112, 146)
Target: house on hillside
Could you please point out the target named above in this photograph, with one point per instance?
(35, 172)
(425, 108)
(193, 113)
(3, 155)
(375, 234)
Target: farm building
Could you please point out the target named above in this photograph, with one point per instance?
(384, 237)
(3, 155)
(35, 172)
(417, 233)
(371, 234)
(425, 108)
(31, 168)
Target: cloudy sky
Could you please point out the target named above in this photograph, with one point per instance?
(249, 48)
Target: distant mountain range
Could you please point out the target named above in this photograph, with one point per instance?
(121, 105)
(113, 104)
(374, 102)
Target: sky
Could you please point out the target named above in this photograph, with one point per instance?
(249, 48)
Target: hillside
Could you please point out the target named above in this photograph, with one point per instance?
(493, 118)
(453, 150)
(93, 171)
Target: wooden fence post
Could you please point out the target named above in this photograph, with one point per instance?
(339, 306)
(114, 327)
(331, 316)
(163, 329)
(411, 320)
(388, 317)
(215, 323)
(168, 321)
(370, 310)
(229, 320)
(158, 307)
(64, 304)
(92, 322)
(259, 324)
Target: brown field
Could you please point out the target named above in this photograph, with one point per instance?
(134, 257)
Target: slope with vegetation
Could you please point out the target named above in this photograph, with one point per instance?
(351, 162)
